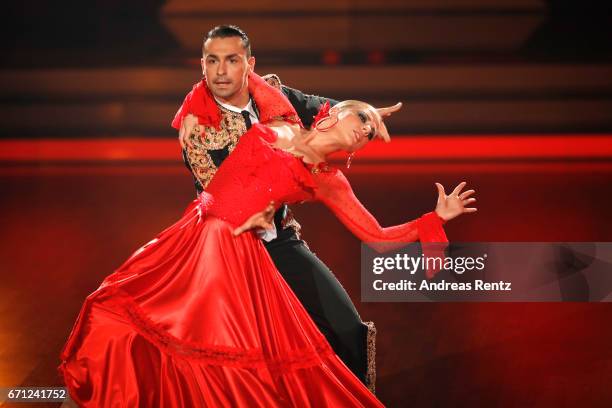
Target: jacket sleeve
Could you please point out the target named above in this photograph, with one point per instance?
(306, 106)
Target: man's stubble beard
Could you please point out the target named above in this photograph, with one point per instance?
(227, 94)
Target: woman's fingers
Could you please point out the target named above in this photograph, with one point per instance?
(252, 223)
(240, 229)
(269, 211)
(458, 189)
(188, 127)
(441, 193)
(182, 136)
(191, 130)
(263, 219)
(388, 110)
(466, 194)
(454, 204)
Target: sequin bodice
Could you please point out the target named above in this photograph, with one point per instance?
(255, 174)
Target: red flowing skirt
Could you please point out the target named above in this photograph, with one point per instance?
(198, 317)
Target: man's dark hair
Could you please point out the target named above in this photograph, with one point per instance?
(225, 31)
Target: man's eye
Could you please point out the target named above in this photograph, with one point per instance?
(233, 61)
(363, 117)
(211, 61)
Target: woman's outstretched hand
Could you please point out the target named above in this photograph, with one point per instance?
(454, 204)
(263, 219)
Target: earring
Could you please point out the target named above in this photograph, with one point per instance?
(326, 128)
(349, 160)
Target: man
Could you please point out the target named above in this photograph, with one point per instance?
(211, 120)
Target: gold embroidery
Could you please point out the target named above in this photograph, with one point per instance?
(206, 138)
(273, 80)
(371, 350)
(290, 222)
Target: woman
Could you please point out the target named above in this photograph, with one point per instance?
(200, 316)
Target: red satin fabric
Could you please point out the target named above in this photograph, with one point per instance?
(198, 317)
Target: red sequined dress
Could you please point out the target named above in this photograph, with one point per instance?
(198, 317)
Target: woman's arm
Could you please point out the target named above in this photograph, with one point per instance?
(336, 193)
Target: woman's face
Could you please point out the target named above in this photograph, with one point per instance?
(355, 128)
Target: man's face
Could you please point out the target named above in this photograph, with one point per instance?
(226, 67)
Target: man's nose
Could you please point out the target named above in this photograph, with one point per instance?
(221, 68)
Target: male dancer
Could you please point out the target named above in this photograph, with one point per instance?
(211, 120)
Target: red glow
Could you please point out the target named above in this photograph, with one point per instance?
(376, 57)
(331, 57)
(403, 148)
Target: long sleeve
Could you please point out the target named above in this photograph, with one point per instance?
(334, 190)
(336, 193)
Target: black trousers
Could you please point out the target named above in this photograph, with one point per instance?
(325, 300)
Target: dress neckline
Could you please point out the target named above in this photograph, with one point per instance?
(270, 137)
(315, 168)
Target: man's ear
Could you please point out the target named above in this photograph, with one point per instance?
(251, 62)
(202, 63)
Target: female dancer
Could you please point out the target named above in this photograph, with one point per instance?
(199, 316)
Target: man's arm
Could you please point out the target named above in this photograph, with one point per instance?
(306, 106)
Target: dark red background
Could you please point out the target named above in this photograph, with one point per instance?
(66, 226)
(513, 96)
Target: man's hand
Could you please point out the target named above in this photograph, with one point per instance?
(388, 110)
(263, 219)
(453, 205)
(188, 126)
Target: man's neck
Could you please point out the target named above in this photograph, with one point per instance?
(239, 101)
(232, 107)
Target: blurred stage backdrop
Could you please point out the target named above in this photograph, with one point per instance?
(513, 96)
